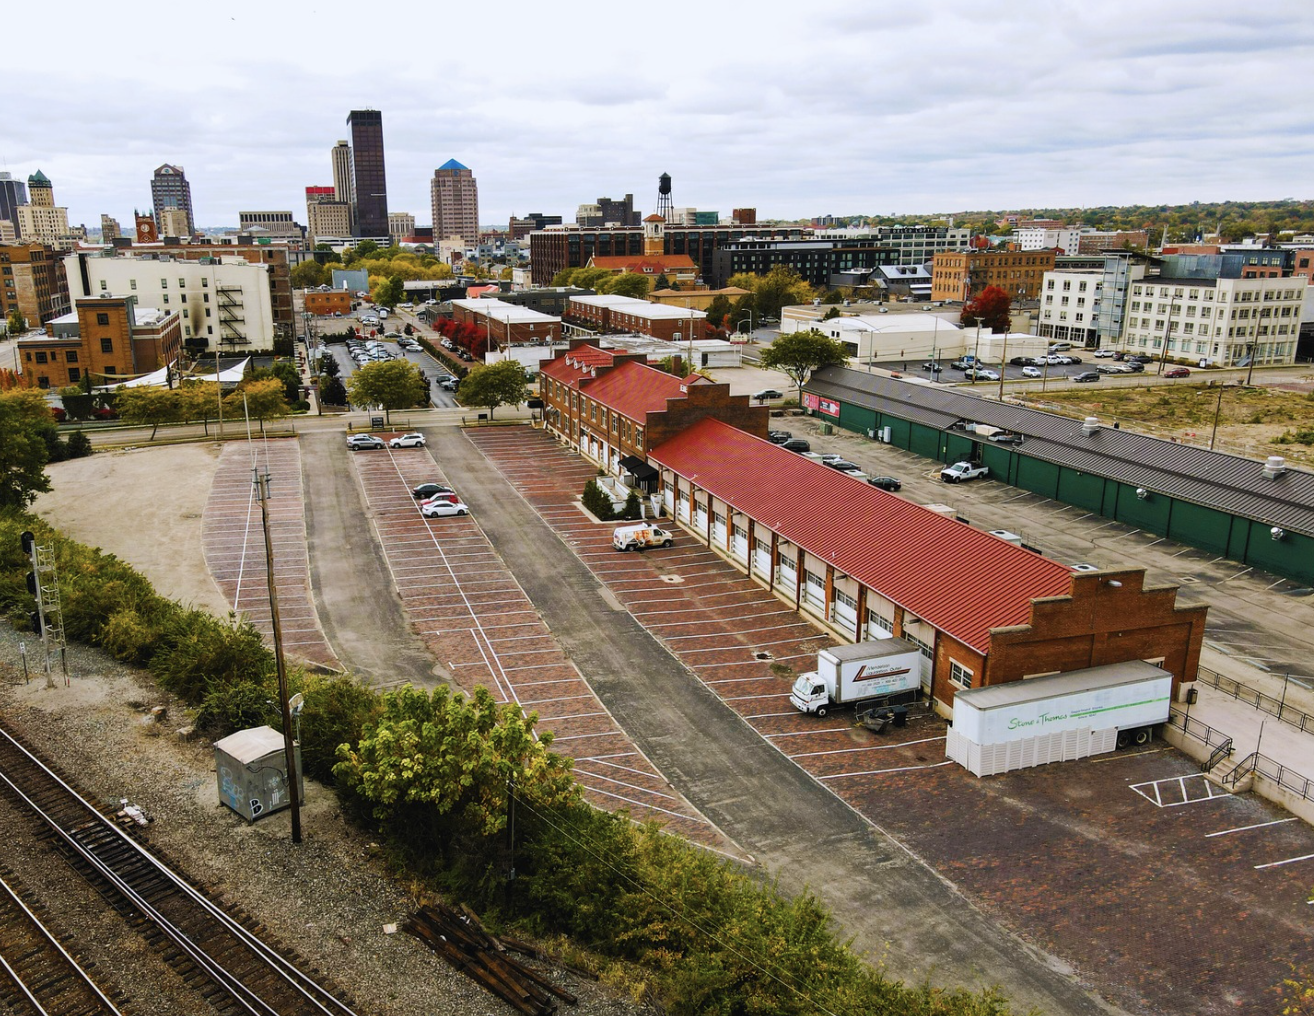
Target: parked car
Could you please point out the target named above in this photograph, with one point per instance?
(778, 436)
(885, 482)
(1111, 368)
(1086, 375)
(449, 383)
(407, 441)
(440, 509)
(796, 444)
(1030, 371)
(932, 366)
(1071, 358)
(844, 465)
(981, 374)
(1140, 358)
(960, 472)
(767, 393)
(357, 442)
(448, 496)
(1134, 366)
(427, 490)
(1105, 353)
(1177, 372)
(962, 364)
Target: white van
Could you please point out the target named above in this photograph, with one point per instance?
(641, 536)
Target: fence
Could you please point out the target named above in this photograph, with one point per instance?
(1288, 779)
(1274, 707)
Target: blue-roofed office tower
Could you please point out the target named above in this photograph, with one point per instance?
(455, 199)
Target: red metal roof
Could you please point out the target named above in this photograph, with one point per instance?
(959, 579)
(635, 390)
(577, 364)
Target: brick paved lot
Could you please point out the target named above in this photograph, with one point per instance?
(1162, 907)
(234, 545)
(481, 627)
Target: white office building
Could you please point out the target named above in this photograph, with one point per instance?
(1069, 307)
(1066, 239)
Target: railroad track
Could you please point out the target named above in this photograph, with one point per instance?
(220, 956)
(37, 973)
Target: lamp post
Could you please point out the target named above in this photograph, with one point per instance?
(1218, 409)
(976, 355)
(1003, 363)
(1168, 330)
(1250, 355)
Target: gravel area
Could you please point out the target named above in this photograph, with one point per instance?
(330, 897)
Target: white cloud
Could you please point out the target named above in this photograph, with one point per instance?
(839, 106)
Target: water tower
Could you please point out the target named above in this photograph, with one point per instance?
(664, 196)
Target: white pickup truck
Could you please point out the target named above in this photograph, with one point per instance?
(961, 471)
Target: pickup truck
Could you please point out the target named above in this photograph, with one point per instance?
(961, 471)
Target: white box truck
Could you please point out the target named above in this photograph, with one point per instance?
(866, 673)
(1034, 721)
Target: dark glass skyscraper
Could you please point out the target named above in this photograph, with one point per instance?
(170, 189)
(369, 181)
(12, 194)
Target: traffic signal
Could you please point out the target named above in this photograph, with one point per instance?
(28, 539)
(35, 618)
(32, 583)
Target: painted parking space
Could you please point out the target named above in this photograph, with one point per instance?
(1078, 858)
(234, 545)
(481, 627)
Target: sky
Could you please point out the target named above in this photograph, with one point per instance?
(843, 107)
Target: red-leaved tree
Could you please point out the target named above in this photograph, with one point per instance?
(991, 307)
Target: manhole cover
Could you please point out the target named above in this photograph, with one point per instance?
(763, 656)
(673, 579)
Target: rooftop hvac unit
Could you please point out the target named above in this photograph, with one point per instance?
(1089, 426)
(1007, 537)
(1274, 467)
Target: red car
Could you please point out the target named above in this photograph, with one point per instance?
(1177, 372)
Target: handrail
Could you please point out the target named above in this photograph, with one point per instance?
(1217, 755)
(1243, 693)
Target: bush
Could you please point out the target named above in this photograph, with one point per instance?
(197, 653)
(597, 501)
(300, 406)
(633, 508)
(336, 711)
(237, 706)
(79, 445)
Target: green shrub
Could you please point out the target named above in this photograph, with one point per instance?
(237, 706)
(79, 445)
(597, 501)
(198, 653)
(337, 710)
(633, 509)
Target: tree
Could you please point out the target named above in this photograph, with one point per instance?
(627, 284)
(390, 292)
(286, 372)
(259, 400)
(390, 384)
(332, 392)
(199, 400)
(24, 416)
(798, 354)
(365, 248)
(309, 274)
(992, 307)
(498, 384)
(154, 406)
(563, 277)
(718, 311)
(16, 323)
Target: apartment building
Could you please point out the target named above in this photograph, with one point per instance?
(110, 337)
(962, 276)
(32, 282)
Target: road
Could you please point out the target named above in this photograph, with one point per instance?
(900, 912)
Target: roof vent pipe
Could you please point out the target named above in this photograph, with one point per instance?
(1275, 466)
(1090, 425)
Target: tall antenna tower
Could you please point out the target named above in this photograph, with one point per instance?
(664, 196)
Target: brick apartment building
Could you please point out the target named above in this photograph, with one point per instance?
(32, 281)
(327, 302)
(959, 277)
(612, 407)
(109, 337)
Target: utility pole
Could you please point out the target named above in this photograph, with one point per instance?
(289, 745)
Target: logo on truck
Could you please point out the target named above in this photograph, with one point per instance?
(870, 672)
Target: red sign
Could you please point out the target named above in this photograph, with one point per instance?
(820, 405)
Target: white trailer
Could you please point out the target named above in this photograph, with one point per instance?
(867, 672)
(1052, 719)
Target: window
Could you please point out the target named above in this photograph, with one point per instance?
(205, 284)
(74, 374)
(132, 284)
(41, 357)
(185, 314)
(102, 285)
(102, 319)
(182, 283)
(164, 283)
(107, 345)
(166, 299)
(43, 381)
(959, 675)
(71, 356)
(207, 311)
(883, 623)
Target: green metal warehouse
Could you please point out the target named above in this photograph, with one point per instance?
(1258, 513)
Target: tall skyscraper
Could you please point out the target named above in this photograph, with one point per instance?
(368, 178)
(12, 194)
(454, 195)
(170, 189)
(341, 155)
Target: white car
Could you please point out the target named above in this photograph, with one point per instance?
(440, 509)
(1032, 372)
(1103, 353)
(407, 441)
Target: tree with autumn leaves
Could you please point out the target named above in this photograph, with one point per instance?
(991, 306)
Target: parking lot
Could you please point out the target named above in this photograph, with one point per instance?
(1164, 896)
(477, 621)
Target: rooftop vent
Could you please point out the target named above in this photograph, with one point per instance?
(1275, 466)
(1089, 426)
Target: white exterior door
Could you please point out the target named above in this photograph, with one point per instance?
(762, 558)
(739, 546)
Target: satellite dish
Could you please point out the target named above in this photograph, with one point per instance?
(296, 702)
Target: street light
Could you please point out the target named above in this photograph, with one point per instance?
(976, 355)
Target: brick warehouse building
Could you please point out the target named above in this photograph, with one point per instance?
(508, 324)
(109, 337)
(32, 281)
(612, 407)
(960, 277)
(333, 301)
(981, 610)
(626, 314)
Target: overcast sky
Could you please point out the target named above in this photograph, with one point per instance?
(797, 109)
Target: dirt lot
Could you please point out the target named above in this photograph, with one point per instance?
(143, 505)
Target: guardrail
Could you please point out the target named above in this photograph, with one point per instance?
(1212, 738)
(1243, 693)
(1286, 778)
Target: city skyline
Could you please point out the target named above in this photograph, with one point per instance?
(954, 107)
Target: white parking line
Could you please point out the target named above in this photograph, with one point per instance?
(1289, 860)
(1246, 828)
(866, 747)
(881, 772)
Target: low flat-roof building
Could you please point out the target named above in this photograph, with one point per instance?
(108, 337)
(508, 324)
(609, 313)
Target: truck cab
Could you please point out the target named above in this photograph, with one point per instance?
(809, 694)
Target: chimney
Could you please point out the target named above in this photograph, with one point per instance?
(677, 365)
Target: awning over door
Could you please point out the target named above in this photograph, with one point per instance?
(639, 469)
